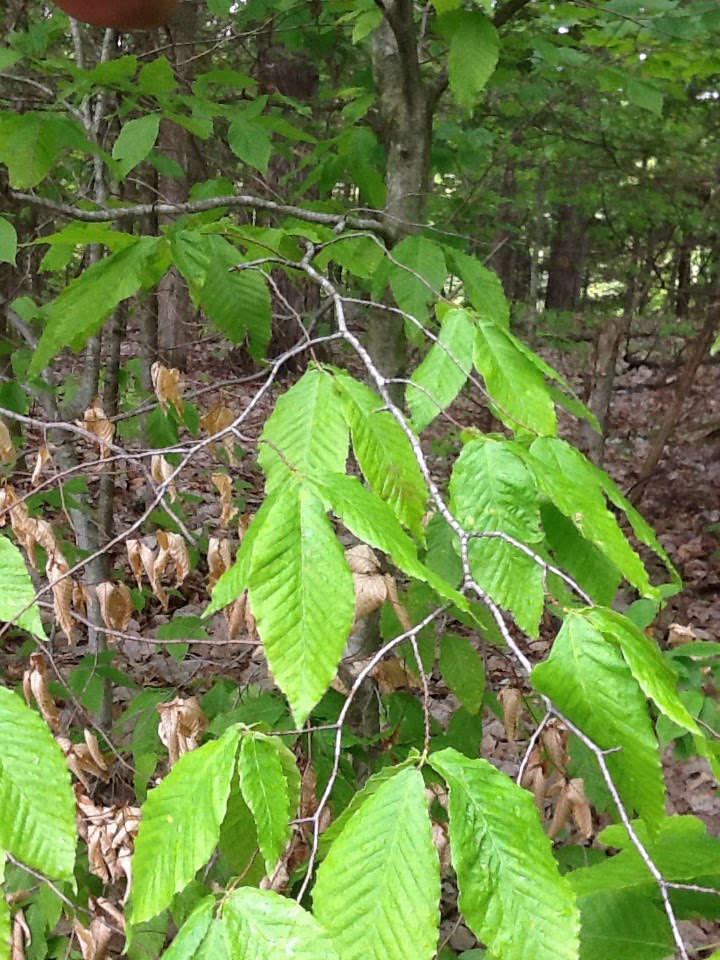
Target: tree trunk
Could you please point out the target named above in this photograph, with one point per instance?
(684, 276)
(173, 299)
(606, 353)
(696, 355)
(566, 260)
(406, 110)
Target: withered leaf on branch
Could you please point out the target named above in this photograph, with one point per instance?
(167, 387)
(161, 472)
(43, 456)
(35, 688)
(218, 558)
(7, 447)
(224, 485)
(182, 724)
(148, 560)
(581, 813)
(535, 779)
(215, 420)
(511, 702)
(240, 617)
(96, 422)
(172, 548)
(134, 553)
(28, 530)
(62, 589)
(115, 605)
(109, 833)
(370, 585)
(555, 741)
(105, 920)
(86, 758)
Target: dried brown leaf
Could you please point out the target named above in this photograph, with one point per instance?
(555, 741)
(218, 558)
(109, 833)
(511, 702)
(86, 758)
(678, 634)
(216, 420)
(172, 547)
(161, 472)
(563, 809)
(534, 778)
(115, 605)
(35, 688)
(442, 845)
(370, 586)
(149, 561)
(182, 723)
(43, 456)
(224, 485)
(96, 422)
(7, 447)
(167, 386)
(581, 812)
(62, 589)
(135, 559)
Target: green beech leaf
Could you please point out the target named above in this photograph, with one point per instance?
(384, 453)
(463, 671)
(251, 143)
(377, 890)
(17, 590)
(473, 55)
(180, 826)
(262, 925)
(513, 381)
(589, 681)
(135, 141)
(302, 595)
(272, 800)
(86, 302)
(424, 278)
(622, 923)
(30, 143)
(368, 789)
(585, 562)
(570, 481)
(195, 934)
(8, 241)
(373, 521)
(483, 288)
(652, 671)
(37, 807)
(307, 428)
(238, 303)
(511, 892)
(492, 490)
(440, 375)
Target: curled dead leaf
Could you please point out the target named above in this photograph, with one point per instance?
(86, 758)
(182, 724)
(581, 812)
(30, 531)
(62, 590)
(218, 558)
(161, 472)
(43, 456)
(96, 422)
(115, 605)
(109, 833)
(224, 485)
(80, 599)
(35, 688)
(370, 586)
(172, 548)
(561, 815)
(511, 702)
(167, 386)
(534, 778)
(149, 561)
(555, 741)
(678, 634)
(7, 447)
(216, 420)
(135, 560)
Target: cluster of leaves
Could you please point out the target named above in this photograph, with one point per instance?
(526, 529)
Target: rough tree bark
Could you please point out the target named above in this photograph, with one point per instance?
(174, 306)
(567, 253)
